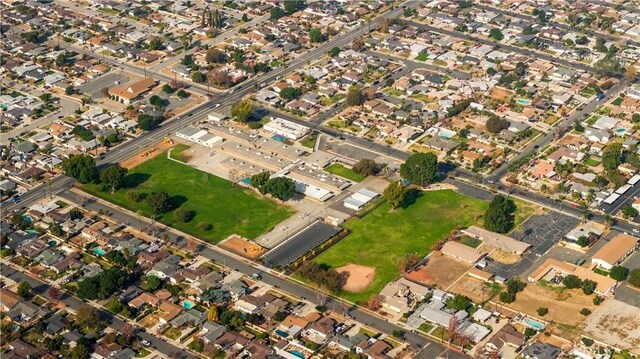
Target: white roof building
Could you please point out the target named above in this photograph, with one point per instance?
(288, 129)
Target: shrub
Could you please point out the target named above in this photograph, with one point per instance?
(530, 332)
(542, 311)
(506, 297)
(587, 342)
(135, 196)
(597, 300)
(585, 311)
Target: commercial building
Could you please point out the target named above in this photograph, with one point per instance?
(199, 136)
(131, 93)
(359, 199)
(615, 251)
(287, 129)
(497, 240)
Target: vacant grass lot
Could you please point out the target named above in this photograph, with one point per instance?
(339, 169)
(216, 202)
(383, 237)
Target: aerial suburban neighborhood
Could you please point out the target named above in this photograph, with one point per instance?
(306, 179)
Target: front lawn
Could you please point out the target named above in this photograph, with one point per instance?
(221, 209)
(383, 237)
(339, 169)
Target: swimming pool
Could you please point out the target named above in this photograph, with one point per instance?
(297, 353)
(27, 219)
(99, 251)
(246, 180)
(523, 101)
(534, 324)
(446, 134)
(52, 243)
(279, 138)
(187, 304)
(31, 231)
(281, 333)
(621, 131)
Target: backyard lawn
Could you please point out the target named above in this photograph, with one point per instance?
(220, 208)
(382, 237)
(339, 169)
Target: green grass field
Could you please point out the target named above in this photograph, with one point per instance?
(216, 201)
(344, 172)
(382, 237)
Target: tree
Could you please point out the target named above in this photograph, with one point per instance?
(113, 176)
(152, 283)
(46, 97)
(585, 311)
(629, 212)
(245, 18)
(289, 93)
(634, 277)
(458, 302)
(636, 117)
(355, 97)
(276, 12)
(198, 77)
(166, 88)
(182, 93)
(499, 216)
(282, 188)
(259, 180)
(366, 167)
(542, 311)
(55, 229)
(87, 317)
(156, 44)
(631, 73)
(582, 40)
(216, 56)
(82, 132)
(496, 34)
(155, 100)
(619, 273)
(147, 122)
(588, 286)
(69, 90)
(420, 169)
(291, 6)
(135, 196)
(80, 167)
(408, 262)
(612, 156)
(609, 66)
(496, 124)
(315, 35)
(335, 51)
(242, 110)
(507, 298)
(54, 293)
(81, 351)
(183, 215)
(583, 241)
(212, 316)
(396, 193)
(159, 202)
(24, 289)
(572, 281)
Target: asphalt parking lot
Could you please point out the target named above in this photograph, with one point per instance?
(93, 87)
(542, 232)
(623, 293)
(299, 244)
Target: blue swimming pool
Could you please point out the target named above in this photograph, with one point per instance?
(99, 251)
(52, 243)
(297, 353)
(523, 101)
(27, 219)
(534, 324)
(281, 333)
(187, 304)
(279, 138)
(246, 180)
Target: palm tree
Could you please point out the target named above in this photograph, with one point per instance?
(609, 221)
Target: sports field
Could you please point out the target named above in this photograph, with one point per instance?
(383, 237)
(223, 208)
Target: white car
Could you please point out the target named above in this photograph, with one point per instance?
(636, 230)
(146, 343)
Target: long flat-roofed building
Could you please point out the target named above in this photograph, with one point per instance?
(615, 251)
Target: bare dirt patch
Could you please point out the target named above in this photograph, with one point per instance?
(439, 270)
(358, 277)
(616, 323)
(243, 247)
(474, 289)
(503, 257)
(564, 304)
(146, 154)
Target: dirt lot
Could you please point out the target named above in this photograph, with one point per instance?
(243, 247)
(502, 256)
(146, 154)
(150, 320)
(358, 277)
(439, 270)
(616, 323)
(474, 289)
(564, 305)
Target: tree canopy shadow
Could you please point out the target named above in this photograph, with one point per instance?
(134, 180)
